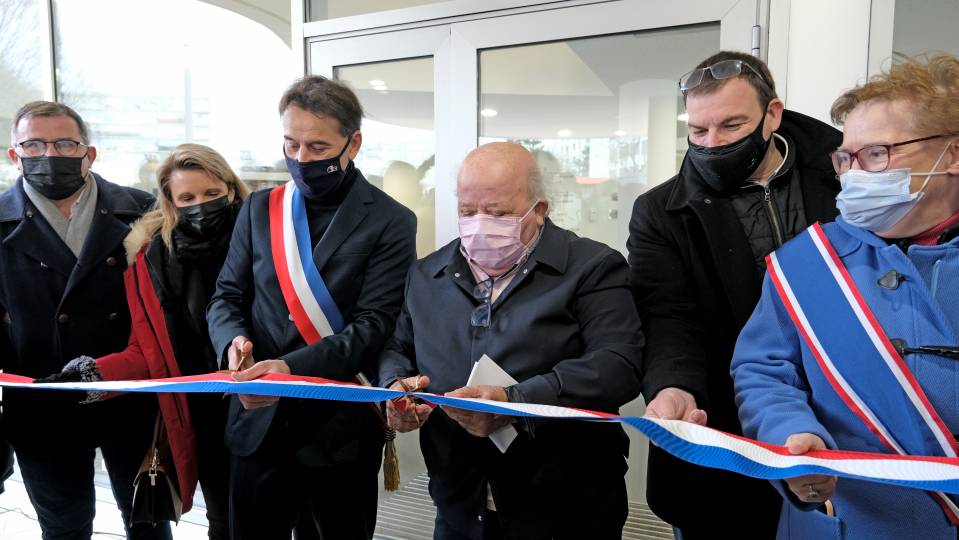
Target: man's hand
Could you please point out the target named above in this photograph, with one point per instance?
(812, 488)
(675, 404)
(403, 414)
(258, 370)
(240, 354)
(477, 423)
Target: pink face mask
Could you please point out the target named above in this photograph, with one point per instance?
(493, 242)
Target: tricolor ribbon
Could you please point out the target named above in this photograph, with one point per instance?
(854, 352)
(696, 444)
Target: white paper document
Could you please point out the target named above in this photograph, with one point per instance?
(486, 371)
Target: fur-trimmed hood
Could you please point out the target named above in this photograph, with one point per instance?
(137, 240)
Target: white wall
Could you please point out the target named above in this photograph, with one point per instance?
(274, 14)
(817, 50)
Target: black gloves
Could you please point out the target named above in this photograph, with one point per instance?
(80, 369)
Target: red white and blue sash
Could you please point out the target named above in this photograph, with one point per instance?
(309, 301)
(855, 354)
(312, 307)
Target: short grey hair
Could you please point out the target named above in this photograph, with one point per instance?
(48, 108)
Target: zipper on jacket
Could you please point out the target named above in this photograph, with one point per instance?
(773, 215)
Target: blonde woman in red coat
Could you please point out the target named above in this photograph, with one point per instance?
(174, 254)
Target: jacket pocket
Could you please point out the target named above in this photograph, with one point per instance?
(795, 524)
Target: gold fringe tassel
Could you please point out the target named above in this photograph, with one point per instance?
(391, 462)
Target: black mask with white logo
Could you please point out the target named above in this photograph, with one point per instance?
(317, 180)
(54, 177)
(726, 168)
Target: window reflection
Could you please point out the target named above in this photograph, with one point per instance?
(925, 26)
(398, 138)
(603, 117)
(21, 72)
(193, 73)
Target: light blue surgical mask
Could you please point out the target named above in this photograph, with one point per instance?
(876, 201)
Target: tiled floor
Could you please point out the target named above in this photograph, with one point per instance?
(404, 515)
(18, 521)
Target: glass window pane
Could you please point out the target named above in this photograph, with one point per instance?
(399, 143)
(189, 72)
(331, 9)
(603, 116)
(21, 69)
(925, 25)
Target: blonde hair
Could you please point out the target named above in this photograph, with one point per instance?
(929, 85)
(195, 157)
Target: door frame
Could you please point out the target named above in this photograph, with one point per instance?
(455, 48)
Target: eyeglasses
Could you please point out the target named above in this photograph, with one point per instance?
(872, 158)
(481, 315)
(723, 69)
(64, 147)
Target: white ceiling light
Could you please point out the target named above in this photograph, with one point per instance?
(564, 133)
(377, 82)
(619, 133)
(381, 87)
(683, 117)
(488, 112)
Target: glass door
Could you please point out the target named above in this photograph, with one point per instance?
(394, 75)
(590, 88)
(592, 91)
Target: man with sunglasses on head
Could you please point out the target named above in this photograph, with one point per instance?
(61, 296)
(754, 176)
(553, 311)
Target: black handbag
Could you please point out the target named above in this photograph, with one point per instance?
(156, 496)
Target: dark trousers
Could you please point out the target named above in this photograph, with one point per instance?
(570, 517)
(492, 528)
(208, 413)
(272, 493)
(59, 482)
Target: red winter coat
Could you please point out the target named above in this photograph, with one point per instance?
(149, 355)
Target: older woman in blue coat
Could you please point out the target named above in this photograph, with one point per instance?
(855, 341)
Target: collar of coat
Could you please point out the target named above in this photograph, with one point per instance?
(552, 251)
(111, 197)
(813, 141)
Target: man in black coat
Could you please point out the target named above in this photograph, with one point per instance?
(62, 296)
(307, 460)
(554, 311)
(755, 175)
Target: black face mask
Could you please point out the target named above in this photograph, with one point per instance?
(203, 230)
(726, 168)
(318, 179)
(206, 220)
(54, 177)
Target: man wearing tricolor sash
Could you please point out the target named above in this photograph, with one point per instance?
(854, 344)
(311, 286)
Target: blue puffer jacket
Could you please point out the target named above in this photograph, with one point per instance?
(780, 389)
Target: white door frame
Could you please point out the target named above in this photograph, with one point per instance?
(455, 47)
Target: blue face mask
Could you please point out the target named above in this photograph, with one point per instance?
(876, 201)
